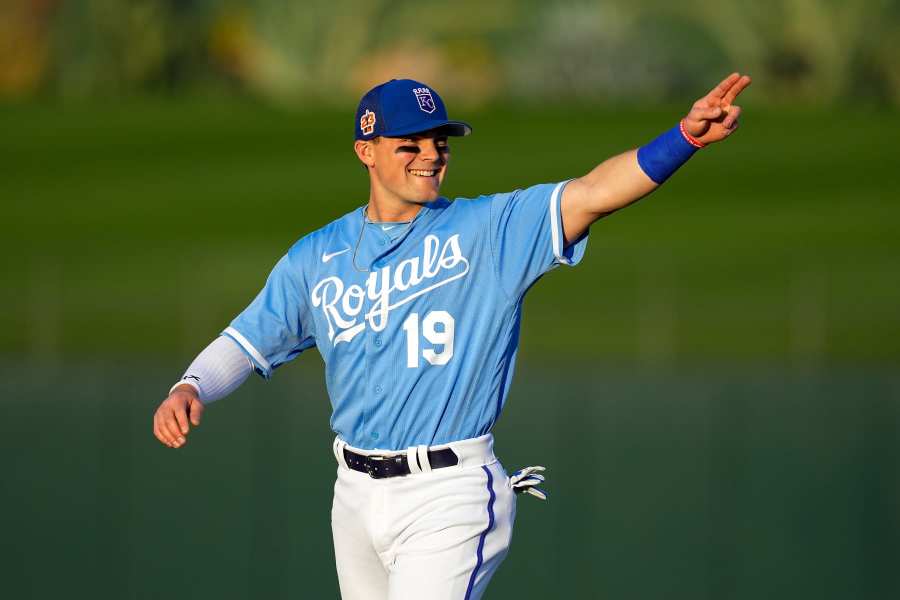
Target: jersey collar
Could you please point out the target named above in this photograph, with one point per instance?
(423, 218)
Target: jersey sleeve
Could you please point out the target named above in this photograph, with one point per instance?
(527, 236)
(276, 326)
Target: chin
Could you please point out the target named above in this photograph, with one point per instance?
(424, 197)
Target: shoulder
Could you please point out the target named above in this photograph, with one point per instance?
(498, 202)
(537, 190)
(327, 238)
(532, 198)
(474, 206)
(458, 212)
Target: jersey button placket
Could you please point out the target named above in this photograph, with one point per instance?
(378, 369)
(369, 399)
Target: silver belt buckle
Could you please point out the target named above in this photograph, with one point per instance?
(370, 469)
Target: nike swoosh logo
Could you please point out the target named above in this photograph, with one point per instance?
(326, 257)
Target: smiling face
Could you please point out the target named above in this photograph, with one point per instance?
(405, 172)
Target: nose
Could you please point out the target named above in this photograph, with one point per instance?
(428, 151)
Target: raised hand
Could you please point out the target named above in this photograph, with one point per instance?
(170, 423)
(714, 117)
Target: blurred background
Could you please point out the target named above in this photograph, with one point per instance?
(714, 389)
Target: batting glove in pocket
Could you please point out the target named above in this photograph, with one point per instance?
(525, 481)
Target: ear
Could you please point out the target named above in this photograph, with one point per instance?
(365, 152)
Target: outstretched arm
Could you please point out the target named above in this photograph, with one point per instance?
(617, 182)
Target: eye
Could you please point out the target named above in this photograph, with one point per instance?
(412, 149)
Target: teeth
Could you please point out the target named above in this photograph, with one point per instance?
(423, 173)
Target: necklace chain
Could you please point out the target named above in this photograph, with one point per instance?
(362, 230)
(366, 221)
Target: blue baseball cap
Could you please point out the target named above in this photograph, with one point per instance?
(401, 107)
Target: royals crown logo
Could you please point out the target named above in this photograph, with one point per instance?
(426, 101)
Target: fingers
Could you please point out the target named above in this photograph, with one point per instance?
(170, 422)
(181, 420)
(161, 430)
(158, 431)
(731, 120)
(736, 89)
(703, 112)
(171, 426)
(720, 90)
(196, 409)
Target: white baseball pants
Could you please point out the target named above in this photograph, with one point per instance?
(436, 535)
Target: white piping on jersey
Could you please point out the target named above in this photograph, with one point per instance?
(554, 224)
(246, 345)
(342, 304)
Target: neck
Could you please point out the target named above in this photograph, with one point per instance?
(383, 211)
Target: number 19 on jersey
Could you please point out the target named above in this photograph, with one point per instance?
(437, 328)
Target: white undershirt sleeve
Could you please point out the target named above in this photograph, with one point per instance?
(218, 370)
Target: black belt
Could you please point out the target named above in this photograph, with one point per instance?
(381, 467)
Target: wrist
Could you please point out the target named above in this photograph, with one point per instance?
(664, 155)
(187, 387)
(687, 136)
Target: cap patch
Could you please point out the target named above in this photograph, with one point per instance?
(426, 102)
(367, 122)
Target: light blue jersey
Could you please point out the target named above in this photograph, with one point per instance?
(418, 332)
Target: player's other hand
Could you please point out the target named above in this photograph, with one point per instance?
(715, 116)
(176, 414)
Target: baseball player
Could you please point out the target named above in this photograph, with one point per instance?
(414, 302)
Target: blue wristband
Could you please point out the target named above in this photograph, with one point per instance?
(662, 157)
